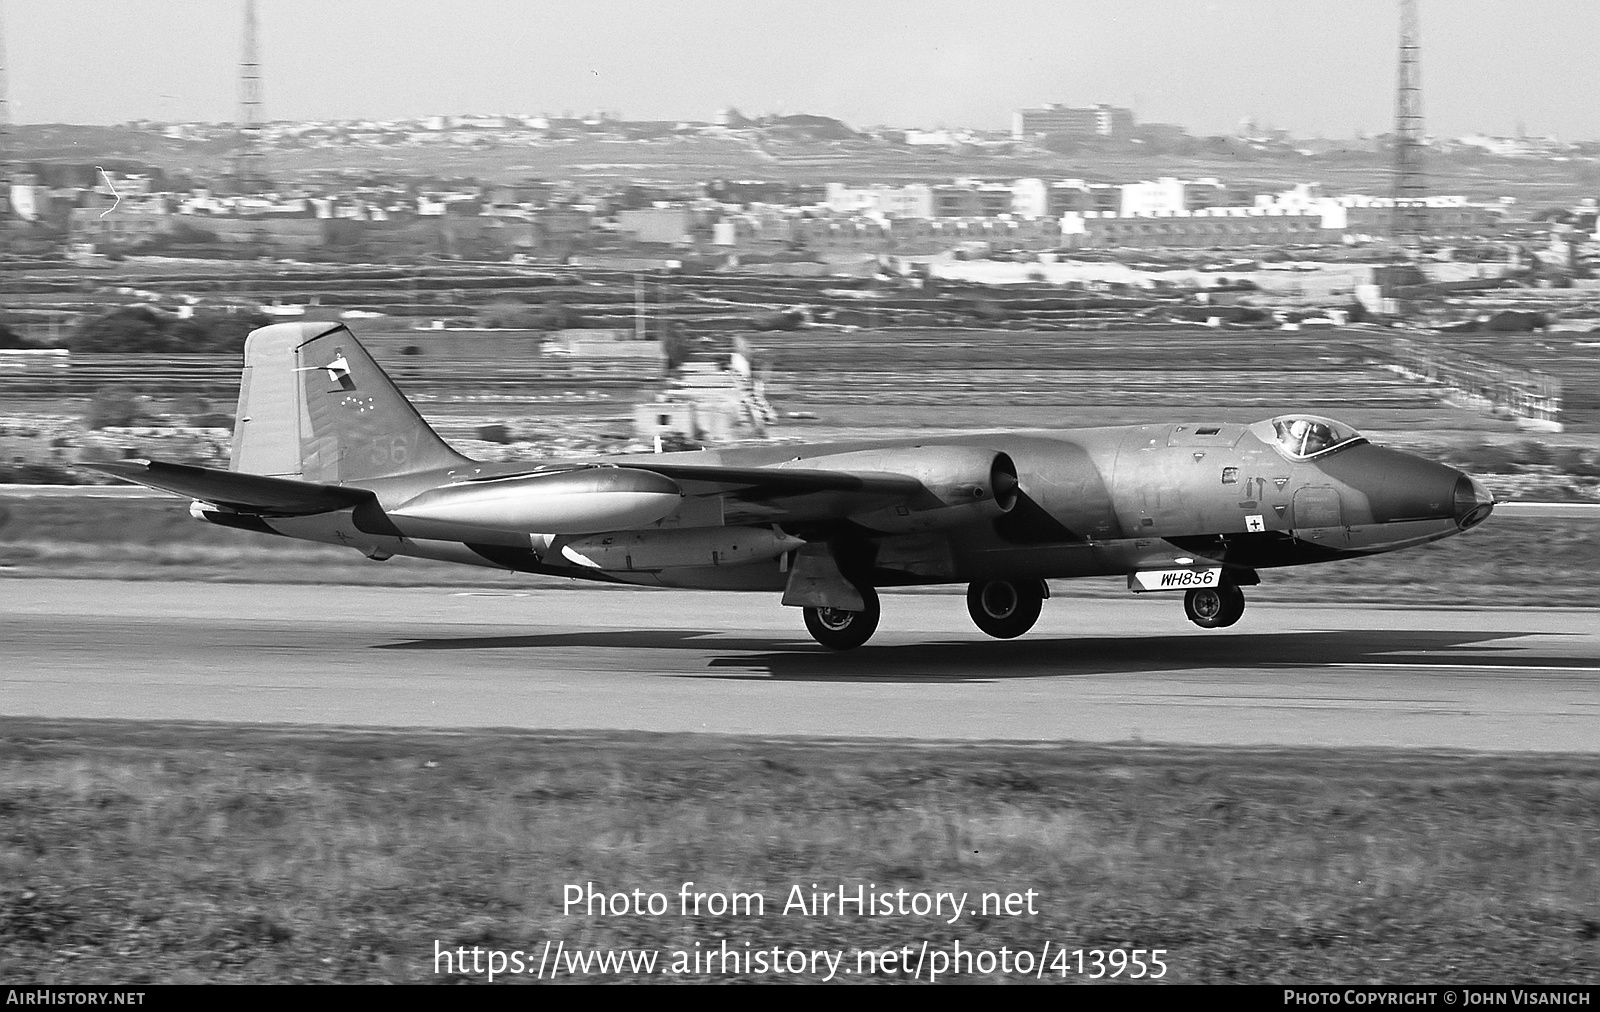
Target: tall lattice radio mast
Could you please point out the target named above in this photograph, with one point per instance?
(5, 98)
(1410, 220)
(249, 162)
(7, 169)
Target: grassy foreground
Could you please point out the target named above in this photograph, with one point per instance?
(1506, 561)
(154, 853)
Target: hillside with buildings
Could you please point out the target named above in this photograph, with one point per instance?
(610, 271)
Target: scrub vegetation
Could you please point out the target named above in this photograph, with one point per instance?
(143, 853)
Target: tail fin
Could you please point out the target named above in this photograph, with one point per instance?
(313, 405)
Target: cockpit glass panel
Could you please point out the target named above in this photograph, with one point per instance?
(1302, 437)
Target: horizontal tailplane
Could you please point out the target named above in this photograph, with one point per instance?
(244, 493)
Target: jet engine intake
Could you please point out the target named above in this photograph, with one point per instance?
(964, 485)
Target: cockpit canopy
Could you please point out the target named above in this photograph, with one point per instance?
(1301, 437)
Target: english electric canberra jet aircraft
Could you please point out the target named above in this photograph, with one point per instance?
(327, 449)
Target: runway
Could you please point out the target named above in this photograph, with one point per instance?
(1102, 670)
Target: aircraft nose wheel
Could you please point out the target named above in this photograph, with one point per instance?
(1005, 609)
(1214, 607)
(838, 629)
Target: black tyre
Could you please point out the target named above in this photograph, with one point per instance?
(1214, 607)
(838, 629)
(1005, 609)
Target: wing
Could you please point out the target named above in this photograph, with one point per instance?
(793, 495)
(245, 493)
(749, 494)
(584, 498)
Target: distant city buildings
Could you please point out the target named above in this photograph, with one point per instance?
(336, 214)
(1026, 198)
(544, 218)
(1515, 147)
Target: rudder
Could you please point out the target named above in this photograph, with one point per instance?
(314, 406)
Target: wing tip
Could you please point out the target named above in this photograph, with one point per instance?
(117, 468)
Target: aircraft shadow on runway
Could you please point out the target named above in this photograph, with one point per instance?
(653, 639)
(995, 660)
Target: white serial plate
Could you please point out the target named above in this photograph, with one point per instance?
(1174, 579)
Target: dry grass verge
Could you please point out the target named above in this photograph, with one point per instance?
(149, 853)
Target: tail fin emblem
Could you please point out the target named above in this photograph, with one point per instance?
(339, 371)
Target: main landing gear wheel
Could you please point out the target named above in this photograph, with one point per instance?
(1214, 607)
(838, 629)
(1005, 609)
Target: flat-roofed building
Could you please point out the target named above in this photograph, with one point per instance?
(1211, 227)
(971, 198)
(912, 201)
(995, 199)
(1068, 195)
(1095, 121)
(666, 225)
(1030, 198)
(1169, 195)
(1443, 215)
(128, 225)
(956, 200)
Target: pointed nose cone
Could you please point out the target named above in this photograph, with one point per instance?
(1398, 486)
(1402, 487)
(1474, 503)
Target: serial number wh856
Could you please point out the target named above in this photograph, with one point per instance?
(1174, 579)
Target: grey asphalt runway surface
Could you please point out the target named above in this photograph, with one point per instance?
(1092, 670)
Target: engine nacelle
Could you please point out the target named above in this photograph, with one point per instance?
(648, 551)
(965, 484)
(581, 501)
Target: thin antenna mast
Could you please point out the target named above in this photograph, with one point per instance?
(249, 162)
(1410, 221)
